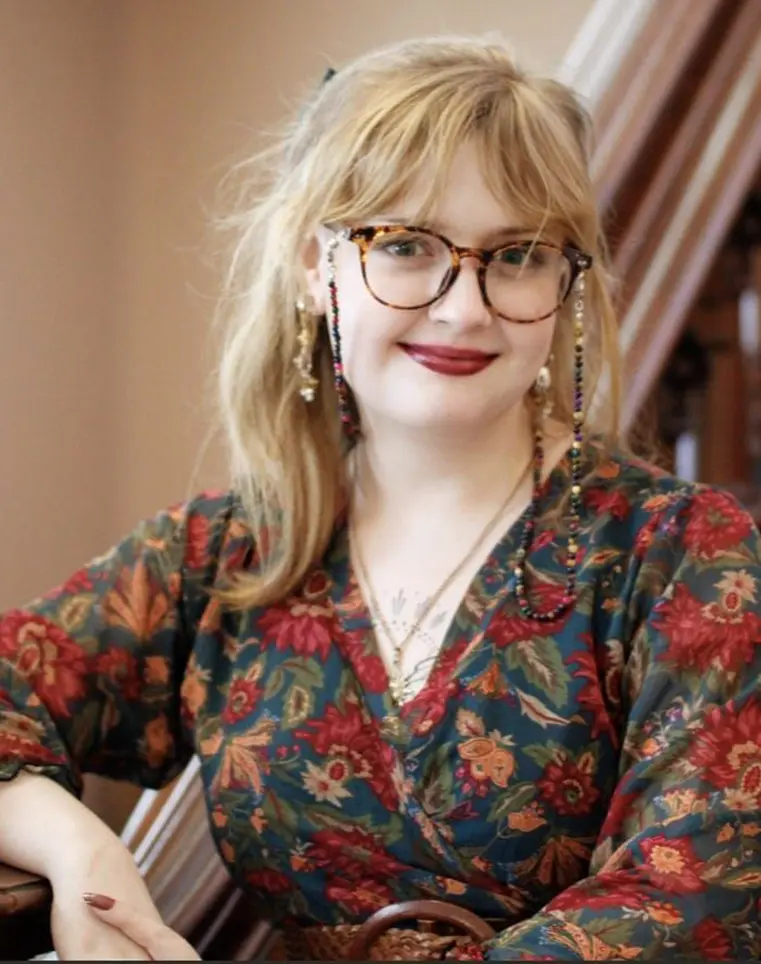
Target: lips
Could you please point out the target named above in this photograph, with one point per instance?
(448, 360)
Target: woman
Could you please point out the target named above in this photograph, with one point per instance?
(444, 638)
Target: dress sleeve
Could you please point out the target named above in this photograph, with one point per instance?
(676, 872)
(90, 674)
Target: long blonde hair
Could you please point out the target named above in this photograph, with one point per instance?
(356, 146)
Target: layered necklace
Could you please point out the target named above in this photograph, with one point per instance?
(398, 682)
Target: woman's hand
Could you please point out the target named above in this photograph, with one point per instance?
(159, 942)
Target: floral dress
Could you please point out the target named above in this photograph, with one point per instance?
(592, 784)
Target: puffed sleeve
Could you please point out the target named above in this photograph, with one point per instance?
(91, 673)
(676, 872)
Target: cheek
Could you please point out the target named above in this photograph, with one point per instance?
(369, 331)
(530, 345)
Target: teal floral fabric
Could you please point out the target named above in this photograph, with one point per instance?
(591, 785)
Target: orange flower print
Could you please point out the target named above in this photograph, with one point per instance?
(488, 760)
(136, 603)
(244, 758)
(193, 691)
(663, 913)
(156, 672)
(526, 820)
(158, 741)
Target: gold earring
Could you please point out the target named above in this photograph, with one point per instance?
(303, 361)
(542, 386)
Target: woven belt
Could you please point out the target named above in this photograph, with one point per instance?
(378, 939)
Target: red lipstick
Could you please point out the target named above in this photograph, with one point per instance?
(447, 360)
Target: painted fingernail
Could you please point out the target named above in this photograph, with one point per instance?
(99, 901)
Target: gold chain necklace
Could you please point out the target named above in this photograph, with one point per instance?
(398, 683)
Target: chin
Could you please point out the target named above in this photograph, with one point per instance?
(448, 415)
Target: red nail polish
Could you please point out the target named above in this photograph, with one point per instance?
(99, 901)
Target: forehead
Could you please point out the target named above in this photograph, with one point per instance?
(460, 199)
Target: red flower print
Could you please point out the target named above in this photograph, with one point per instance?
(716, 523)
(80, 583)
(198, 531)
(510, 625)
(619, 811)
(728, 750)
(119, 667)
(271, 881)
(42, 653)
(600, 893)
(646, 535)
(305, 628)
(713, 941)
(467, 951)
(316, 585)
(700, 635)
(359, 898)
(607, 501)
(14, 746)
(353, 853)
(672, 865)
(351, 735)
(544, 538)
(427, 708)
(368, 666)
(242, 697)
(568, 787)
(590, 696)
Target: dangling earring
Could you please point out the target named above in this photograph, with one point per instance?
(304, 360)
(574, 520)
(342, 389)
(542, 386)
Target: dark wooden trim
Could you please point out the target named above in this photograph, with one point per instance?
(646, 348)
(635, 99)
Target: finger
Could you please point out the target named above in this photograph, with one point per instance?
(159, 941)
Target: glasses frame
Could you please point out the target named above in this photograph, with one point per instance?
(363, 238)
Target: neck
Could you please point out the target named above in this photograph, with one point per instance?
(398, 471)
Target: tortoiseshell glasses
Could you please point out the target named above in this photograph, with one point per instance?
(409, 267)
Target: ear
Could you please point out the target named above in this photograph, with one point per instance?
(311, 257)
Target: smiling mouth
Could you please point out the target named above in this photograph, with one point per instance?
(447, 360)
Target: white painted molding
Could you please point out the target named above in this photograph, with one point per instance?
(605, 35)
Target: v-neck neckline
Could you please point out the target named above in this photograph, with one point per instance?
(355, 620)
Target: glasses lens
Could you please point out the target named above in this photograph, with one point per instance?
(407, 269)
(527, 281)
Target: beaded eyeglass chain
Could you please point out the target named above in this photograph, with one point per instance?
(574, 522)
(342, 389)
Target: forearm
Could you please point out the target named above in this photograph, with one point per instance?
(47, 831)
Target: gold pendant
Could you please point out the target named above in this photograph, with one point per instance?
(397, 688)
(394, 729)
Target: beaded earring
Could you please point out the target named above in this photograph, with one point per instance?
(342, 389)
(574, 523)
(304, 360)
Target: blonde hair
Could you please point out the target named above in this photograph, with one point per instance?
(356, 147)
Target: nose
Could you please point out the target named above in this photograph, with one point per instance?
(463, 304)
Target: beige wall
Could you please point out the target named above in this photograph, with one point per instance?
(118, 118)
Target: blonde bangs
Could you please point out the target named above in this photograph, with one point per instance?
(379, 130)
